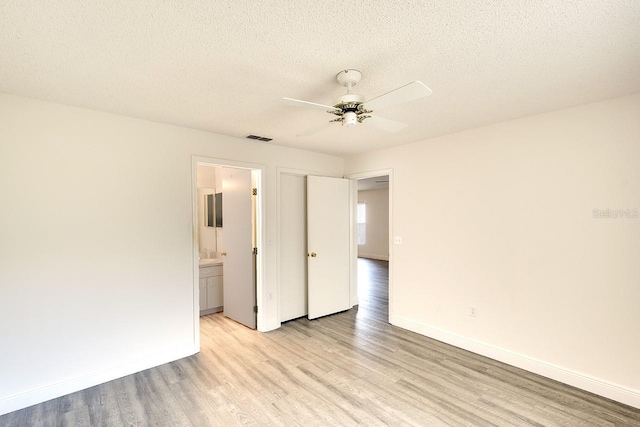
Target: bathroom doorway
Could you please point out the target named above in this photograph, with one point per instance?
(227, 238)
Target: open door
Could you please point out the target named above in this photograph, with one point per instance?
(238, 280)
(329, 239)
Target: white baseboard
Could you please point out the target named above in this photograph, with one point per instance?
(594, 385)
(51, 391)
(373, 256)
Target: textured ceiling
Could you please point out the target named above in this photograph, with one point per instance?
(224, 66)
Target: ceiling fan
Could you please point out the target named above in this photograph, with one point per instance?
(352, 108)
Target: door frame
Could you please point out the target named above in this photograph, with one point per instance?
(354, 262)
(260, 235)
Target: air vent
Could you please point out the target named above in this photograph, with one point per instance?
(259, 138)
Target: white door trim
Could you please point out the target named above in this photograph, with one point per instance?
(354, 263)
(260, 244)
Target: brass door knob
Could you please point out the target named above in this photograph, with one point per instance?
(223, 254)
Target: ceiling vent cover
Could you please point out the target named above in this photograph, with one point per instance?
(259, 138)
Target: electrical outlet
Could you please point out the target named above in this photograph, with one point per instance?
(473, 311)
(397, 240)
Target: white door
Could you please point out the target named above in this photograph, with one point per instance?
(293, 246)
(328, 245)
(239, 287)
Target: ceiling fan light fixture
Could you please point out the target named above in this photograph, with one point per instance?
(350, 118)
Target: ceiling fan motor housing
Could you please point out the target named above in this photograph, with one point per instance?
(349, 98)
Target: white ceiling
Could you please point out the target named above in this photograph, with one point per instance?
(224, 66)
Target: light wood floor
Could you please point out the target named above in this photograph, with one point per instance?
(346, 369)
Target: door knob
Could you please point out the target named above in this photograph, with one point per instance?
(312, 255)
(223, 254)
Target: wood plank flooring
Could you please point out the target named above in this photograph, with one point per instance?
(351, 368)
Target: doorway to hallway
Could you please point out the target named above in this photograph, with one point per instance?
(373, 226)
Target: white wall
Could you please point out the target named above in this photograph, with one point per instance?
(207, 176)
(502, 219)
(96, 249)
(377, 225)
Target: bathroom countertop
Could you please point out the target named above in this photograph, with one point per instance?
(209, 262)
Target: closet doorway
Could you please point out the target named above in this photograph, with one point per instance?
(314, 245)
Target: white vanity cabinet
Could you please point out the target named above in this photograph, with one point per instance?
(211, 289)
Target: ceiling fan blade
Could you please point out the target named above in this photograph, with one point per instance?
(300, 103)
(314, 129)
(385, 124)
(397, 96)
